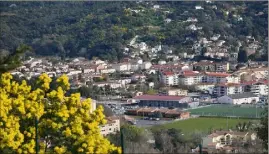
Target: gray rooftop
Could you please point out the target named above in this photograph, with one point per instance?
(242, 95)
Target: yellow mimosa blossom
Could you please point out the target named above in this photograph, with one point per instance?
(64, 121)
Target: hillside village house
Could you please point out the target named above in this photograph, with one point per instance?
(222, 140)
(253, 74)
(204, 66)
(111, 127)
(246, 98)
(163, 101)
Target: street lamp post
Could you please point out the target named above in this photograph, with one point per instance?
(36, 135)
(122, 140)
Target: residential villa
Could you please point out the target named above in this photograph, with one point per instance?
(111, 127)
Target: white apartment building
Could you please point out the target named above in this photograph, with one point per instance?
(111, 127)
(190, 78)
(169, 78)
(259, 88)
(214, 77)
(227, 89)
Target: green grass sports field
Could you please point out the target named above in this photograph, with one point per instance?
(204, 124)
(227, 110)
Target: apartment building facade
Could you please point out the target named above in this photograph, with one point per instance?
(227, 89)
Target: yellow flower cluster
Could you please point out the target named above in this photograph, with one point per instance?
(66, 122)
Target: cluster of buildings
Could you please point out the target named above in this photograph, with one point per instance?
(218, 79)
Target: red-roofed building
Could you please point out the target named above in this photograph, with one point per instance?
(169, 78)
(217, 77)
(190, 77)
(163, 101)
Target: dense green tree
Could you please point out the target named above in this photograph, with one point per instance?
(262, 130)
(242, 56)
(9, 61)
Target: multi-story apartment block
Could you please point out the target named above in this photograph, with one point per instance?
(213, 77)
(222, 67)
(169, 78)
(227, 89)
(190, 78)
(259, 88)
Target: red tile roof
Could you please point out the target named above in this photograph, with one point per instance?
(168, 73)
(158, 97)
(254, 82)
(190, 73)
(166, 66)
(217, 74)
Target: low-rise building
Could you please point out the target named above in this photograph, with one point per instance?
(242, 98)
(205, 87)
(163, 101)
(111, 127)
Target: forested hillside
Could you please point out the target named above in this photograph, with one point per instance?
(103, 29)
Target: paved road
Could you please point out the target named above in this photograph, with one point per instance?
(149, 123)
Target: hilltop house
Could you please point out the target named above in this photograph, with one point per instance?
(223, 140)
